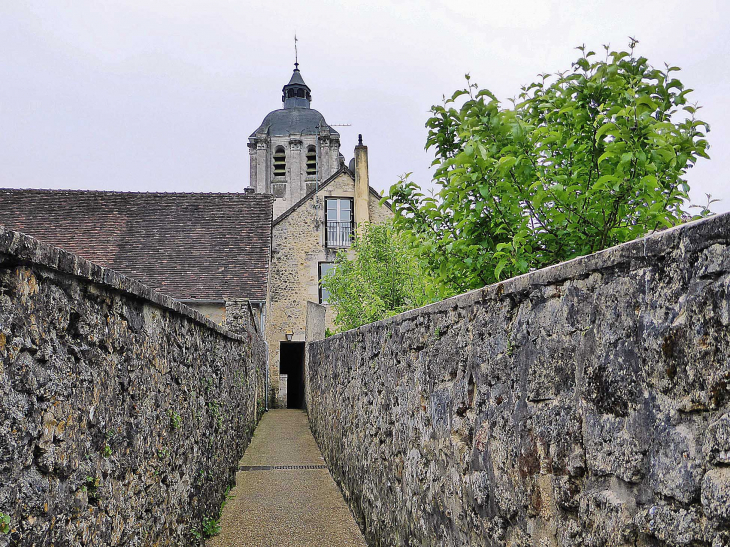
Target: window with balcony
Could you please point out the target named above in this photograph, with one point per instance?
(338, 217)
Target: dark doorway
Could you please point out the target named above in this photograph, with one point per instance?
(291, 363)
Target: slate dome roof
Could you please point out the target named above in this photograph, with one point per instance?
(286, 121)
(296, 116)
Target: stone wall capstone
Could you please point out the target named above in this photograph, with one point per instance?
(586, 404)
(123, 413)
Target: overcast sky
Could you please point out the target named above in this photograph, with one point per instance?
(155, 95)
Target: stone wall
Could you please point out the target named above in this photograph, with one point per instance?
(585, 404)
(315, 330)
(123, 414)
(240, 316)
(215, 311)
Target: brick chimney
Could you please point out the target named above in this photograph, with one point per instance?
(362, 183)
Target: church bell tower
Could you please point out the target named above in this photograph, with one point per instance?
(294, 149)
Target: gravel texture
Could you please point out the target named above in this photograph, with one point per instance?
(286, 507)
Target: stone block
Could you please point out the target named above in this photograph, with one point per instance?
(716, 447)
(279, 190)
(716, 494)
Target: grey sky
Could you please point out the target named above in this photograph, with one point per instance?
(155, 95)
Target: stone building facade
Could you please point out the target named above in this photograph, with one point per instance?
(303, 246)
(252, 257)
(318, 204)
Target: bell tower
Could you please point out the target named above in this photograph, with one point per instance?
(294, 149)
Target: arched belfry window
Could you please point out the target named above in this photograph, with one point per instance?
(279, 162)
(311, 160)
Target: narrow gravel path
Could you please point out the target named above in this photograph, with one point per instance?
(298, 507)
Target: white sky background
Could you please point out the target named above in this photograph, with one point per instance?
(154, 95)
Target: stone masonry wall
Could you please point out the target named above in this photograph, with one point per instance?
(123, 414)
(586, 404)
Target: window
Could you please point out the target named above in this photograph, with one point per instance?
(311, 160)
(324, 268)
(279, 162)
(339, 222)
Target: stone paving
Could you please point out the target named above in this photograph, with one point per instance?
(284, 494)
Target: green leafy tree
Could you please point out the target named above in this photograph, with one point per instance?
(581, 161)
(383, 278)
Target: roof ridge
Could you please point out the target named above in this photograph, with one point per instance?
(132, 192)
(343, 169)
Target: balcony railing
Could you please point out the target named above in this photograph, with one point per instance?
(339, 234)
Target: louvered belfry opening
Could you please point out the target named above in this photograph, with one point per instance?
(311, 160)
(279, 162)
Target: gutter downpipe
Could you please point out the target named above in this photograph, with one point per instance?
(266, 344)
(266, 383)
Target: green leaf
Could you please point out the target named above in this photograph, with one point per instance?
(606, 155)
(499, 267)
(606, 128)
(506, 163)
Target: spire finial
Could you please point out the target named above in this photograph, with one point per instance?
(296, 54)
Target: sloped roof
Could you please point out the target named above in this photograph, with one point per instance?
(296, 79)
(308, 195)
(188, 246)
(285, 121)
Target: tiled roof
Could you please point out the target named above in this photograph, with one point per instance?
(285, 121)
(189, 246)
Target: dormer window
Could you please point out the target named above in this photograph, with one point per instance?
(311, 160)
(279, 162)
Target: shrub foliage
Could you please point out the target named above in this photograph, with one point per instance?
(580, 161)
(382, 278)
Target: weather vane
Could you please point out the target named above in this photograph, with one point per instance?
(296, 55)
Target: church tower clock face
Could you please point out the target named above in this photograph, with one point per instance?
(294, 149)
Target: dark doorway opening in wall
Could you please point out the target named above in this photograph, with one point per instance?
(291, 363)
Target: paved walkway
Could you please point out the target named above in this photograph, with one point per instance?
(299, 507)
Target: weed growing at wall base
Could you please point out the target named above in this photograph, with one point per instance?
(4, 523)
(175, 419)
(212, 526)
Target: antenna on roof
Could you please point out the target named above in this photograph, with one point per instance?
(296, 54)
